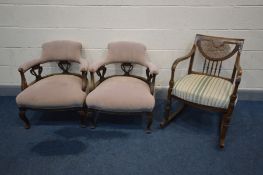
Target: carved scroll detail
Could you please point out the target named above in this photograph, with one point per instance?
(127, 68)
(36, 71)
(64, 66)
(101, 73)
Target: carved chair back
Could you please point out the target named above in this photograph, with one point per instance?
(214, 51)
(127, 54)
(62, 51)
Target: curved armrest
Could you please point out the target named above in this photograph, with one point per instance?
(95, 66)
(29, 64)
(178, 60)
(84, 65)
(175, 63)
(152, 68)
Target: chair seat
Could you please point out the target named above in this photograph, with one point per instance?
(121, 94)
(204, 90)
(58, 91)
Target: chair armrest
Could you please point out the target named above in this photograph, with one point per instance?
(84, 65)
(29, 64)
(25, 67)
(178, 60)
(95, 66)
(153, 69)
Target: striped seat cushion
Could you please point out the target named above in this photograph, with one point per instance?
(204, 90)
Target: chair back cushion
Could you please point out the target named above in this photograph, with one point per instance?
(124, 51)
(61, 50)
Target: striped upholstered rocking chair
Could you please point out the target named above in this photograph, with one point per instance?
(206, 88)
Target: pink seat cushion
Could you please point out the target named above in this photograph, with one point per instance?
(58, 91)
(121, 94)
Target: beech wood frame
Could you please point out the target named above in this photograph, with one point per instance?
(235, 78)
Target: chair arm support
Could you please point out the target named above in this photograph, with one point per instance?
(23, 79)
(239, 71)
(151, 79)
(178, 60)
(84, 80)
(152, 83)
(237, 81)
(92, 81)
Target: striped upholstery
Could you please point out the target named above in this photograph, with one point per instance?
(204, 90)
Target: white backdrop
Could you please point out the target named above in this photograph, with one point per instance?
(166, 27)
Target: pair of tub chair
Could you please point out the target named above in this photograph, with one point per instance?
(71, 91)
(203, 87)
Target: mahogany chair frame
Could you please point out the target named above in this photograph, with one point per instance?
(127, 68)
(36, 71)
(211, 67)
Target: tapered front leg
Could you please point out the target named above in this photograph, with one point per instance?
(22, 115)
(225, 121)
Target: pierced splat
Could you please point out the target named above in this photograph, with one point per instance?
(64, 66)
(36, 71)
(127, 68)
(212, 67)
(101, 73)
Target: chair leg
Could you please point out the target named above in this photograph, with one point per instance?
(224, 126)
(22, 115)
(149, 123)
(82, 114)
(93, 121)
(168, 116)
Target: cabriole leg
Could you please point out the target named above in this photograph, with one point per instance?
(22, 115)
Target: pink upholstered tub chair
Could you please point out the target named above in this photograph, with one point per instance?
(123, 93)
(59, 91)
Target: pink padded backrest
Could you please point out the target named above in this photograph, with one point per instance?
(124, 51)
(61, 50)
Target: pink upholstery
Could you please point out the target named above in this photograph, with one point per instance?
(57, 51)
(122, 94)
(61, 50)
(58, 91)
(124, 51)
